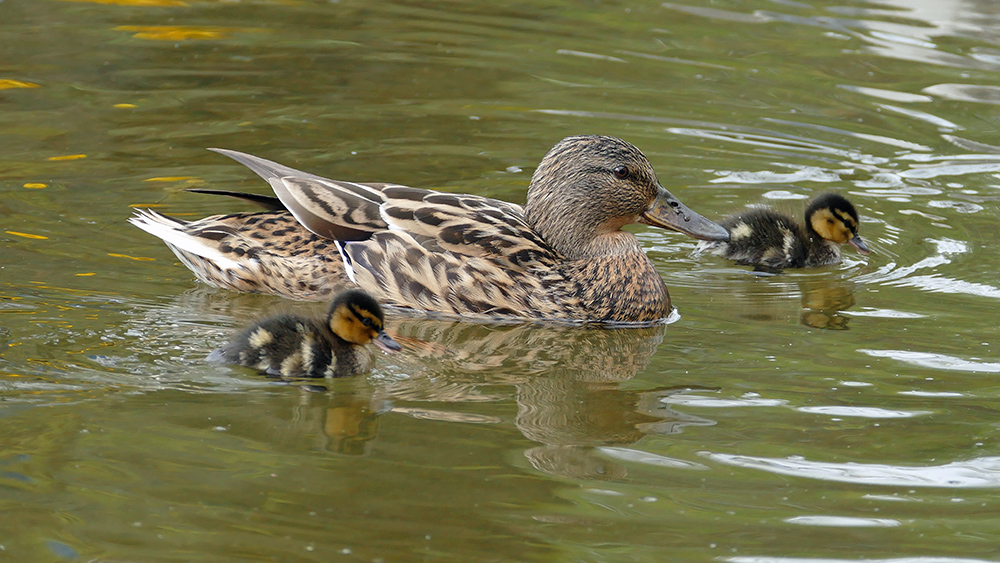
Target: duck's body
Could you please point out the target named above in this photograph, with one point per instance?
(765, 238)
(563, 256)
(293, 346)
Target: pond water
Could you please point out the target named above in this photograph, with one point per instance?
(847, 413)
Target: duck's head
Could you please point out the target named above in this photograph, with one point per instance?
(590, 186)
(356, 317)
(833, 218)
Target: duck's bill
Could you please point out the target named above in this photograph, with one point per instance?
(385, 343)
(669, 213)
(860, 245)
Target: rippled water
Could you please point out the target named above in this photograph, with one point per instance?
(842, 414)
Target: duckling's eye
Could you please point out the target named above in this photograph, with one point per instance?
(621, 172)
(367, 322)
(829, 221)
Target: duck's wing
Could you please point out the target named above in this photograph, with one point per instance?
(403, 271)
(464, 225)
(332, 209)
(454, 254)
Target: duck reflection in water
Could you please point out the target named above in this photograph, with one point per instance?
(813, 300)
(342, 419)
(566, 380)
(566, 384)
(824, 301)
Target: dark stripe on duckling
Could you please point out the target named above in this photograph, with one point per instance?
(763, 237)
(293, 346)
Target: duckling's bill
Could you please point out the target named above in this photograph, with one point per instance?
(386, 343)
(669, 213)
(859, 245)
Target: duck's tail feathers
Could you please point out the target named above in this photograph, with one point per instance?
(268, 202)
(171, 231)
(266, 169)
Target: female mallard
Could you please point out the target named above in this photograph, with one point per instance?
(563, 256)
(292, 346)
(763, 237)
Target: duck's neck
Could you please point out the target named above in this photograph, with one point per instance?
(575, 227)
(617, 243)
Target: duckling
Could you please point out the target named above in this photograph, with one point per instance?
(292, 346)
(765, 238)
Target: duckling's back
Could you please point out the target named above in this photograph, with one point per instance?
(291, 346)
(762, 237)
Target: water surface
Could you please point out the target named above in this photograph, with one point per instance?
(841, 414)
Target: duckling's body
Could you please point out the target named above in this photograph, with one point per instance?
(763, 237)
(293, 346)
(563, 256)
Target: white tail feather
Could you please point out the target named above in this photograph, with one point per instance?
(167, 230)
(348, 267)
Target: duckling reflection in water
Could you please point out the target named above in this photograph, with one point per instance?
(292, 346)
(765, 238)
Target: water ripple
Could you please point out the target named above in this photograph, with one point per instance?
(934, 361)
(768, 559)
(843, 521)
(981, 472)
(966, 93)
(865, 412)
(935, 283)
(883, 313)
(709, 402)
(891, 95)
(646, 458)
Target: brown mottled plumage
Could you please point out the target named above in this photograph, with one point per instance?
(292, 346)
(561, 257)
(763, 237)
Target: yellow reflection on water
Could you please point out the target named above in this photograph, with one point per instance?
(26, 235)
(134, 2)
(139, 258)
(6, 83)
(176, 33)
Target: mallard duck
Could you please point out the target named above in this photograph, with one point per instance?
(563, 256)
(293, 346)
(763, 237)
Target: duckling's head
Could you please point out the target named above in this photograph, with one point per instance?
(356, 317)
(833, 218)
(590, 186)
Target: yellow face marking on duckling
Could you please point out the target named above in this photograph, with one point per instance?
(260, 338)
(348, 322)
(830, 226)
(740, 231)
(366, 314)
(846, 218)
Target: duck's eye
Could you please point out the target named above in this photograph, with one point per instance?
(367, 322)
(621, 172)
(829, 221)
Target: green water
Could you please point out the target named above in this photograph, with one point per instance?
(847, 413)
